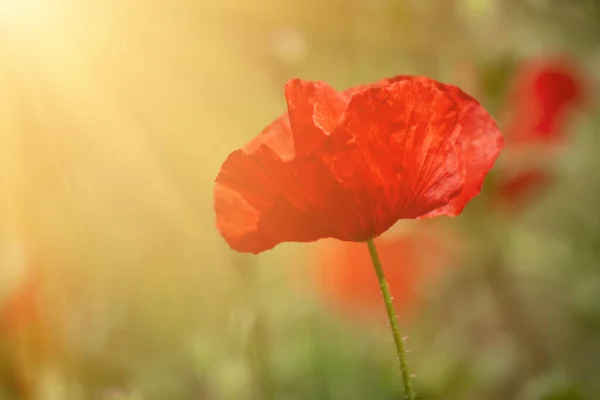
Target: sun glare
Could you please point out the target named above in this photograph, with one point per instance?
(18, 9)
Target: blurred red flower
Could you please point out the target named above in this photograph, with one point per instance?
(344, 271)
(520, 187)
(545, 93)
(21, 308)
(349, 164)
(24, 330)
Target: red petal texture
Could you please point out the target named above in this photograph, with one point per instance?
(345, 279)
(349, 164)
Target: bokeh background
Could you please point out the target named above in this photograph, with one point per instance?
(114, 283)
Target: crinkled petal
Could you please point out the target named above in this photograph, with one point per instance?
(274, 190)
(314, 110)
(277, 136)
(348, 165)
(407, 159)
(261, 201)
(481, 144)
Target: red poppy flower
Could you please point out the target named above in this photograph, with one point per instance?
(546, 92)
(349, 164)
(344, 271)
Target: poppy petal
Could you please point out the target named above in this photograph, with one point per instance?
(481, 144)
(407, 134)
(348, 165)
(277, 136)
(261, 201)
(314, 110)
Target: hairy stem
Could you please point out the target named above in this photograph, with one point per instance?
(391, 313)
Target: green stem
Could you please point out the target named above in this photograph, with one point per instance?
(258, 340)
(260, 358)
(389, 306)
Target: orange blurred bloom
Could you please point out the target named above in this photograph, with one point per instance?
(25, 335)
(21, 308)
(345, 277)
